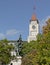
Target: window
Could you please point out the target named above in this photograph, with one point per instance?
(11, 64)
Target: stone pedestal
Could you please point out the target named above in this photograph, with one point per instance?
(17, 61)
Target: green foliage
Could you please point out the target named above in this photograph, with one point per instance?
(39, 54)
(5, 50)
(27, 47)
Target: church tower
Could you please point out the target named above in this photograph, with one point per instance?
(33, 28)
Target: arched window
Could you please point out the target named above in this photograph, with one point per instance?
(11, 64)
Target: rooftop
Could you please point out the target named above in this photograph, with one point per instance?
(33, 18)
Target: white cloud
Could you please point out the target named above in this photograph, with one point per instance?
(2, 36)
(11, 32)
(43, 22)
(45, 19)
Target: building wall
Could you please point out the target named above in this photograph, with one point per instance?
(33, 32)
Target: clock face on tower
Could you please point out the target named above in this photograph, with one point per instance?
(33, 26)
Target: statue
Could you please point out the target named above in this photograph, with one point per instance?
(19, 44)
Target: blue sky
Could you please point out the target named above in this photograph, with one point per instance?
(16, 14)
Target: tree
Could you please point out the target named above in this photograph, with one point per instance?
(46, 31)
(38, 55)
(5, 49)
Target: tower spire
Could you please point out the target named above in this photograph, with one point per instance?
(34, 11)
(34, 7)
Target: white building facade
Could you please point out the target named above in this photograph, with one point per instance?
(17, 60)
(33, 29)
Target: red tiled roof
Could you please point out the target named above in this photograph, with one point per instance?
(34, 18)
